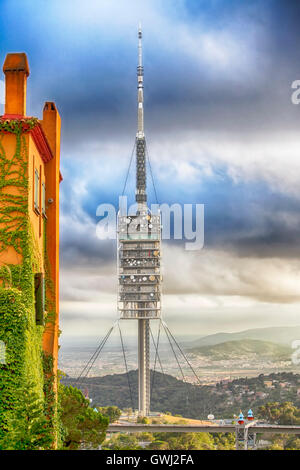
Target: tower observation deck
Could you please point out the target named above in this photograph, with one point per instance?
(139, 256)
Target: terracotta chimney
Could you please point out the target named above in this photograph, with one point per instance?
(16, 71)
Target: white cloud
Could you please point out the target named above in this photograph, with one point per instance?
(220, 276)
(223, 50)
(210, 287)
(188, 158)
(273, 159)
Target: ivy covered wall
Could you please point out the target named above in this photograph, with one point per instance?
(25, 365)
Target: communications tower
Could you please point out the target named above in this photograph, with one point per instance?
(139, 255)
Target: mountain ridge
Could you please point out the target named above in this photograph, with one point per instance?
(276, 334)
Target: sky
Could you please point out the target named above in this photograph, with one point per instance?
(221, 131)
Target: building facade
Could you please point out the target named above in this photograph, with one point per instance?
(29, 244)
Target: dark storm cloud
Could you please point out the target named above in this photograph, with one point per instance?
(80, 246)
(91, 74)
(245, 219)
(184, 91)
(251, 220)
(78, 251)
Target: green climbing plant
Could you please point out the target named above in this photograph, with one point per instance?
(27, 426)
(14, 175)
(25, 365)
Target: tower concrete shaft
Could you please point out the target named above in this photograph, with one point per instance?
(144, 367)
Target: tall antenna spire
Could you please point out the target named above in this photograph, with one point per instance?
(141, 196)
(140, 77)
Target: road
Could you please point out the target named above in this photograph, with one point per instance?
(265, 428)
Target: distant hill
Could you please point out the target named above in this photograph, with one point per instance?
(191, 401)
(245, 347)
(280, 335)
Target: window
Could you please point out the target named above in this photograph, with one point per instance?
(36, 190)
(39, 292)
(43, 199)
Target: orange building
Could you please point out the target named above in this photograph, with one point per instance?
(29, 226)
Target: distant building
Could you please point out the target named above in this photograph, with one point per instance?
(268, 383)
(283, 384)
(261, 395)
(29, 240)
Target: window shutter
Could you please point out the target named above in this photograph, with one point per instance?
(43, 199)
(36, 190)
(39, 289)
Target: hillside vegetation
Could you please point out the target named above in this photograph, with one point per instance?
(232, 349)
(192, 401)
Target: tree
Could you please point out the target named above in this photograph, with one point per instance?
(128, 411)
(143, 420)
(158, 445)
(224, 441)
(112, 412)
(83, 426)
(183, 441)
(280, 413)
(292, 443)
(27, 427)
(122, 442)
